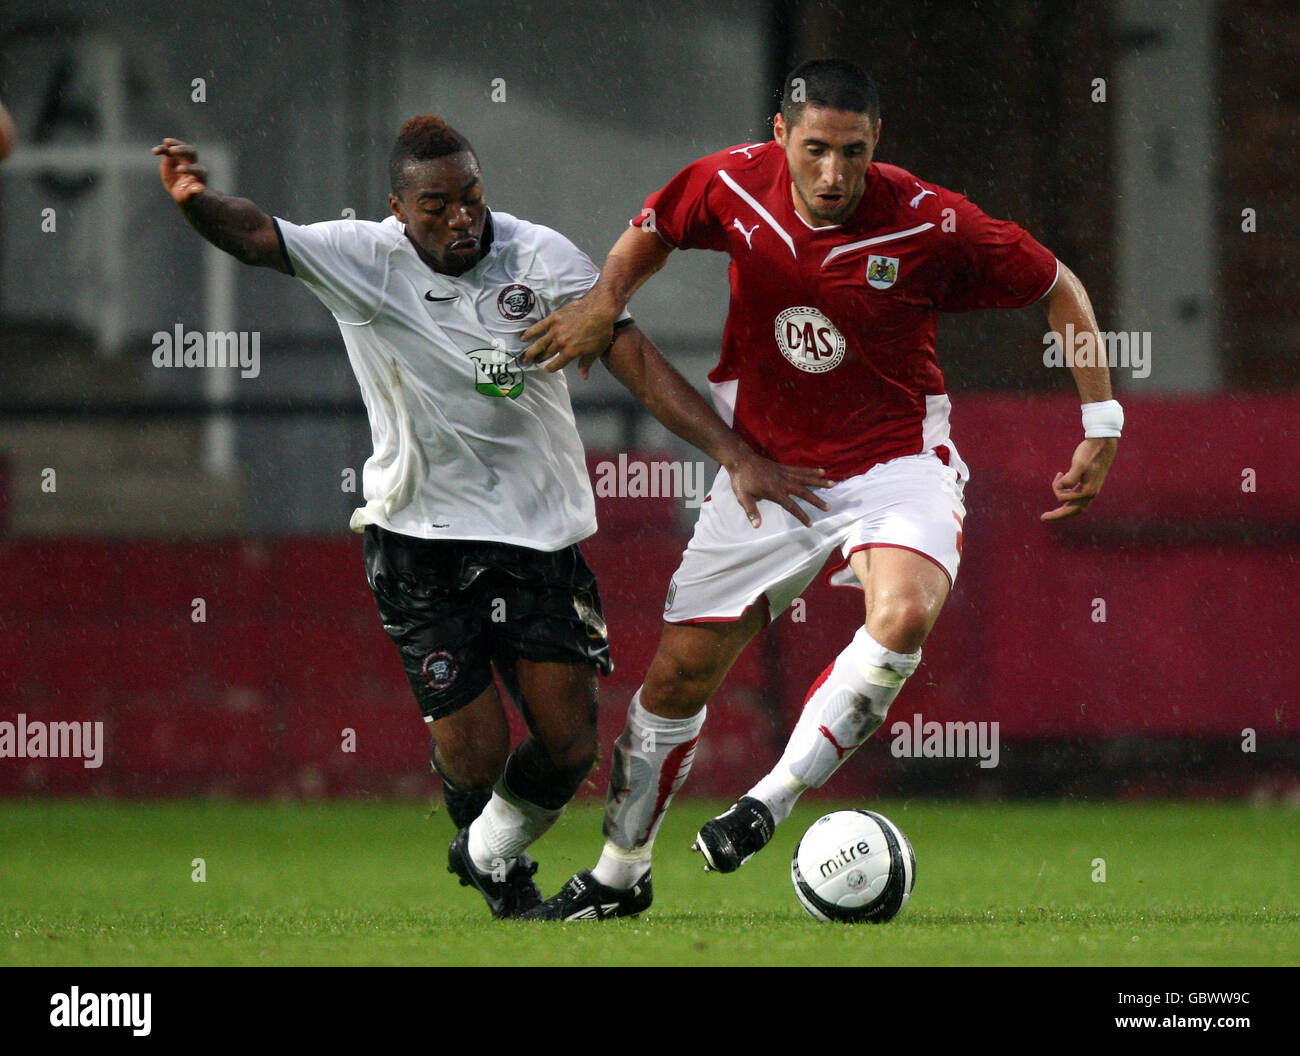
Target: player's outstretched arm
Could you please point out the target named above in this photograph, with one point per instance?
(1068, 304)
(235, 225)
(635, 361)
(583, 329)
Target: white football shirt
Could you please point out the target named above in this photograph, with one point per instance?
(468, 444)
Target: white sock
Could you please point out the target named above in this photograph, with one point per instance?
(506, 828)
(845, 706)
(619, 868)
(652, 757)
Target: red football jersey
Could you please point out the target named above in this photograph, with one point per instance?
(828, 359)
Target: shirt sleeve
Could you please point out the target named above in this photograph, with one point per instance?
(571, 274)
(992, 263)
(342, 262)
(679, 211)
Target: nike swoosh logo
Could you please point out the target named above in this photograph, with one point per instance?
(428, 296)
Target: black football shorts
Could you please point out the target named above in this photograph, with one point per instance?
(454, 607)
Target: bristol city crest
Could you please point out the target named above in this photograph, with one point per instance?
(882, 272)
(809, 340)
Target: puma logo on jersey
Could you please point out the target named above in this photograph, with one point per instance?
(746, 150)
(749, 235)
(917, 200)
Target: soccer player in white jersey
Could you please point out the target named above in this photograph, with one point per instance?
(477, 491)
(839, 268)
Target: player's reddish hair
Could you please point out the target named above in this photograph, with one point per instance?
(423, 138)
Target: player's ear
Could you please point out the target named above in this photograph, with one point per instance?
(394, 203)
(778, 128)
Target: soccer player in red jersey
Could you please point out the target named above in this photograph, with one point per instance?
(839, 268)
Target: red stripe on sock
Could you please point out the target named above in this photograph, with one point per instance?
(667, 778)
(818, 684)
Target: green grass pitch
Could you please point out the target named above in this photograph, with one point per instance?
(102, 883)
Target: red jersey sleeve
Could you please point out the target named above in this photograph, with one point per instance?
(992, 263)
(679, 211)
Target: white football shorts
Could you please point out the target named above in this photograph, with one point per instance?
(913, 502)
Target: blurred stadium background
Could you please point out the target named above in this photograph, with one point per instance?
(1152, 146)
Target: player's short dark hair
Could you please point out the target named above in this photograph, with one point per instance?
(423, 139)
(835, 84)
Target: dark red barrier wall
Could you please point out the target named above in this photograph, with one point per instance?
(1198, 578)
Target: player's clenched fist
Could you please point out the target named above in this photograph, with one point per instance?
(181, 173)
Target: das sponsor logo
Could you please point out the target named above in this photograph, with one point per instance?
(809, 340)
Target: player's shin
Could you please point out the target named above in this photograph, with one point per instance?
(526, 802)
(845, 706)
(652, 757)
(464, 804)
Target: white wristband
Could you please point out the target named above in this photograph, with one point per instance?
(1103, 419)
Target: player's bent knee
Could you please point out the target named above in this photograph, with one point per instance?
(471, 768)
(677, 686)
(575, 751)
(533, 774)
(673, 699)
(468, 762)
(902, 623)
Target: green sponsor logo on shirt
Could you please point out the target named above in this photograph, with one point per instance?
(498, 374)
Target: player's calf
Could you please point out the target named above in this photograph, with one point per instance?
(652, 758)
(526, 802)
(846, 704)
(654, 753)
(533, 772)
(464, 804)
